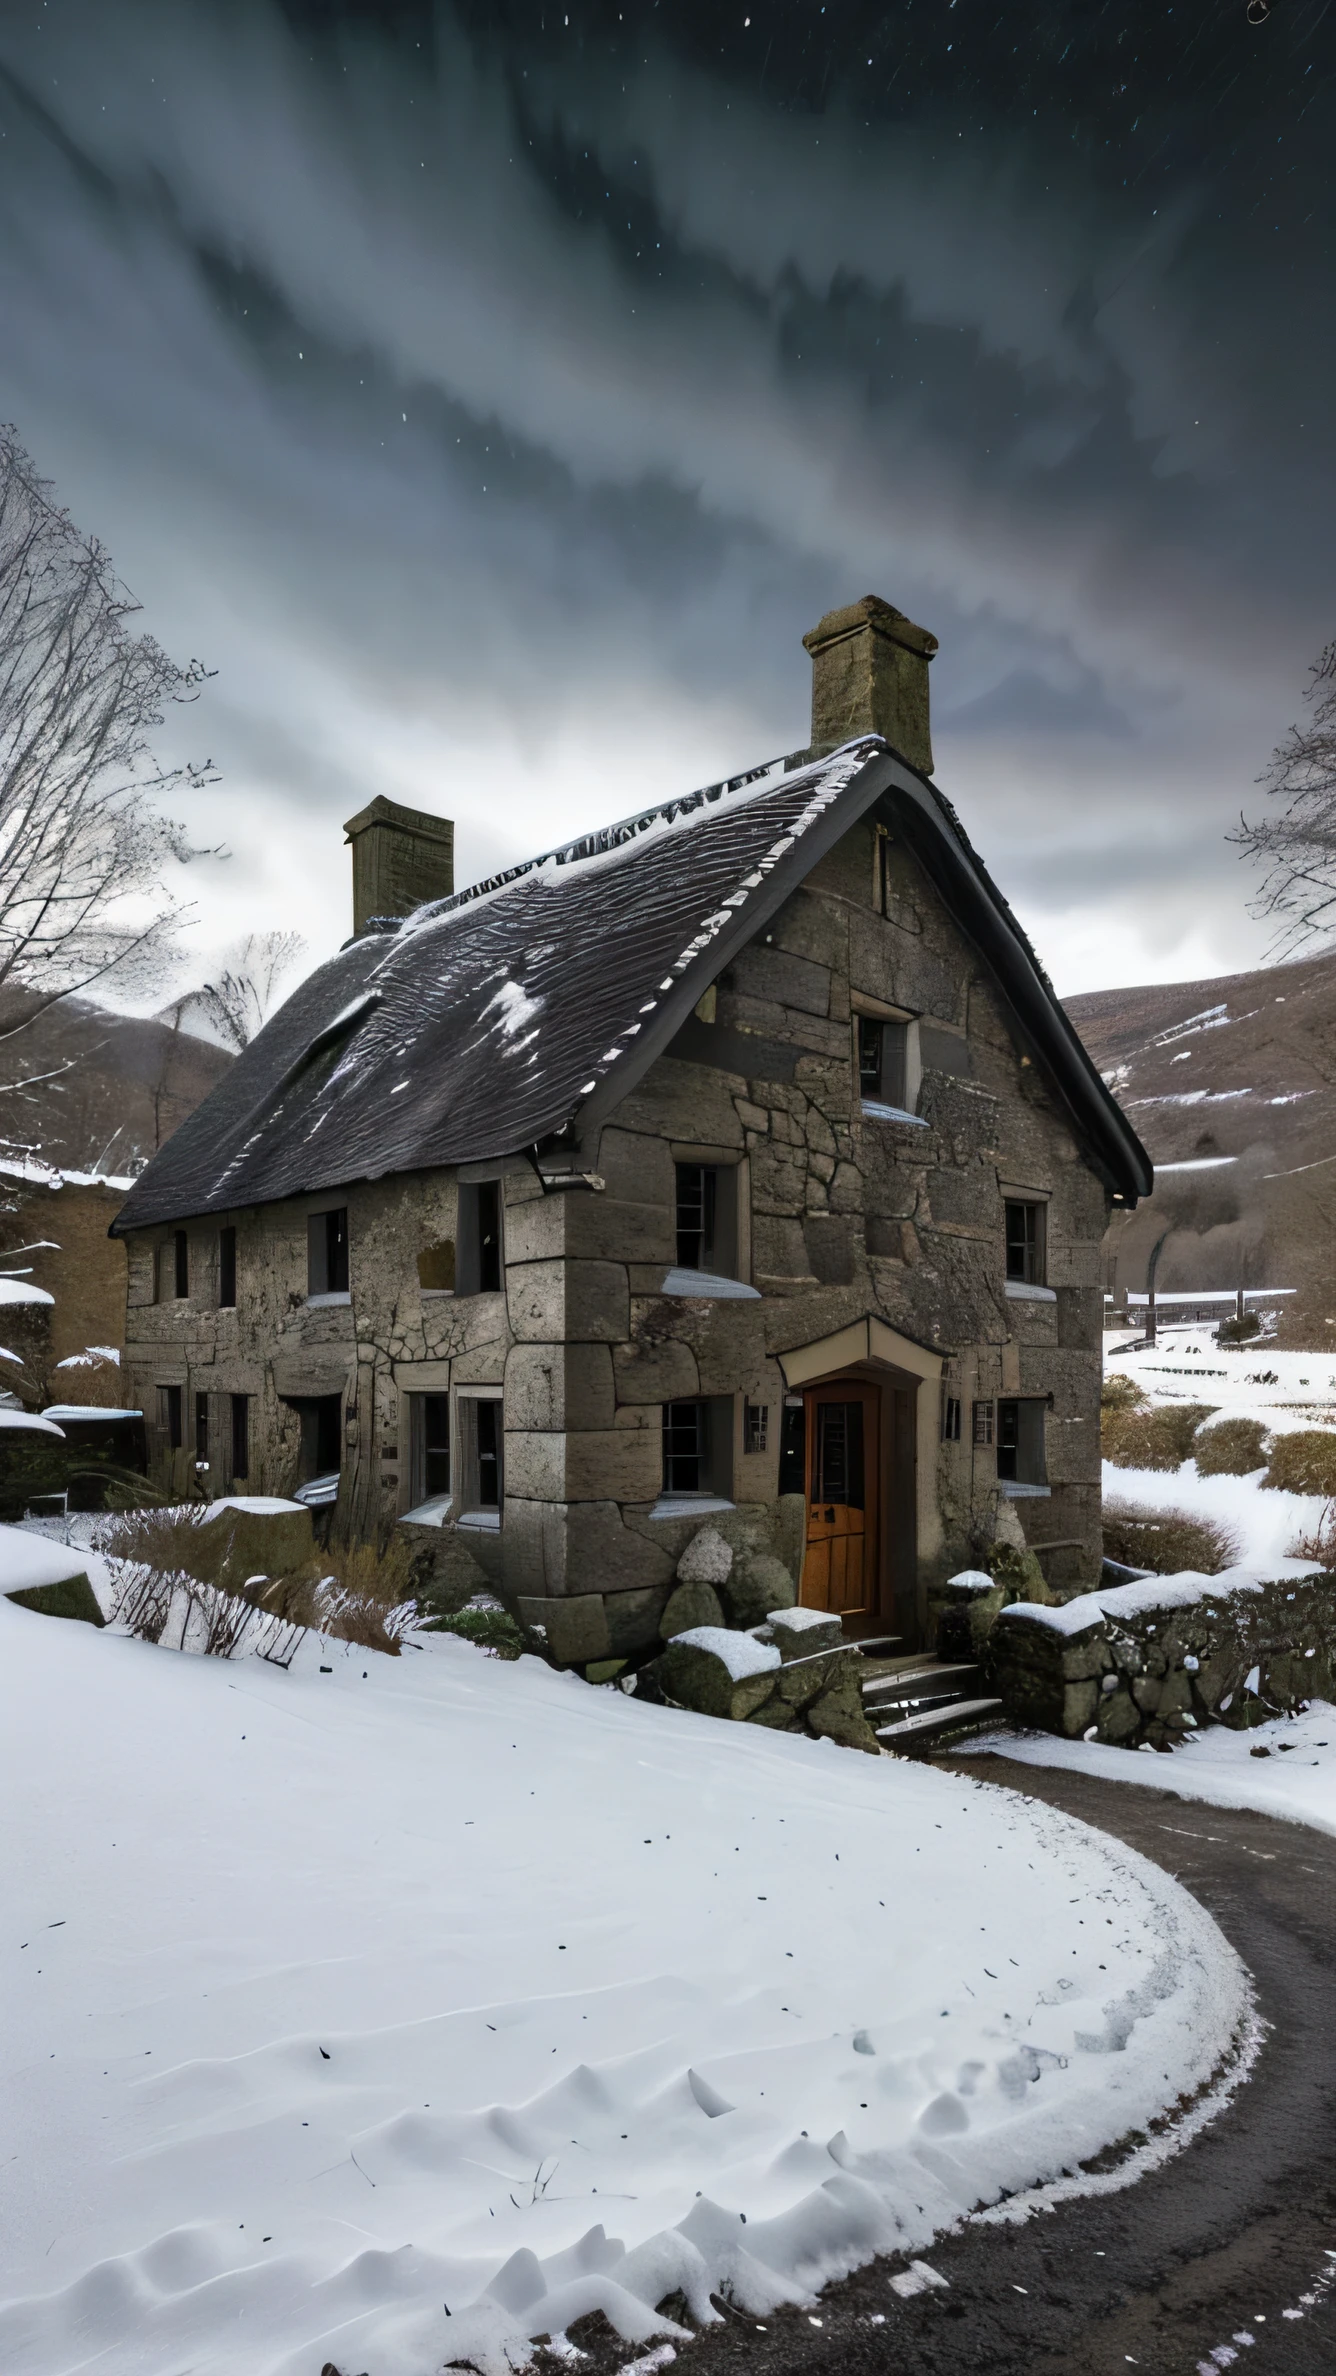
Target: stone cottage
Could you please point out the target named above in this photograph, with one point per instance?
(734, 1163)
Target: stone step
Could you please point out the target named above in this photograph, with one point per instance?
(937, 1720)
(931, 1680)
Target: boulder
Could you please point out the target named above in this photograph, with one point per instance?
(797, 1633)
(757, 1584)
(718, 1673)
(838, 1714)
(690, 1605)
(707, 1558)
(574, 1627)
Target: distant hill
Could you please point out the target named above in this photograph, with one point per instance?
(1233, 1080)
(98, 1091)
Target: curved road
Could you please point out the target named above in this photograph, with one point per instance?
(1220, 2242)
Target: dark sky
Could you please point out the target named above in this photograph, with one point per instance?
(494, 394)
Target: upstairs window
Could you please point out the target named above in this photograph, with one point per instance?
(707, 1218)
(327, 1252)
(882, 1061)
(1020, 1441)
(479, 1261)
(1025, 1243)
(170, 1401)
(227, 1269)
(173, 1279)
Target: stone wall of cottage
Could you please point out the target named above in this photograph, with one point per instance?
(843, 1215)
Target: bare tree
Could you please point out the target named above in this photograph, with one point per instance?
(82, 846)
(238, 1004)
(1298, 847)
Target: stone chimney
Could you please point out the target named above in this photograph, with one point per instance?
(870, 676)
(401, 857)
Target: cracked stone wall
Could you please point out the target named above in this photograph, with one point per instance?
(841, 1215)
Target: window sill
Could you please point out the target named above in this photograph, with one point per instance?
(315, 1302)
(437, 1294)
(688, 1505)
(1010, 1491)
(481, 1521)
(430, 1513)
(874, 1111)
(1020, 1291)
(707, 1286)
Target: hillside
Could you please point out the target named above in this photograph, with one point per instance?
(89, 1090)
(1231, 1084)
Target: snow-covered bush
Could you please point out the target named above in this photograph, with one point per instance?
(1303, 1461)
(1167, 1542)
(1232, 1448)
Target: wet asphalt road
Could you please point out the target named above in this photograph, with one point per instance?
(1222, 2241)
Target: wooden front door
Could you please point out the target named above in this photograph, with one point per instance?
(843, 1470)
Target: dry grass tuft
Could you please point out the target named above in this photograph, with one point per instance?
(1152, 1439)
(354, 1592)
(167, 1539)
(1232, 1448)
(1303, 1461)
(1166, 1541)
(1320, 1545)
(351, 1592)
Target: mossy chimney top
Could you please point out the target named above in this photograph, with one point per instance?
(870, 676)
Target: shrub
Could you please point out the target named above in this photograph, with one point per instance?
(1166, 1541)
(1121, 1393)
(1232, 1448)
(1303, 1461)
(90, 1378)
(1320, 1544)
(1154, 1439)
(491, 1629)
(1239, 1332)
(167, 1539)
(169, 1569)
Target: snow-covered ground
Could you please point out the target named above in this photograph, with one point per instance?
(1283, 1391)
(1296, 1779)
(329, 1990)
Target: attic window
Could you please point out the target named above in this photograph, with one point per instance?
(327, 1252)
(707, 1218)
(478, 1268)
(881, 1061)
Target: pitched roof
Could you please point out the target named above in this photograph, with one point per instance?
(491, 1019)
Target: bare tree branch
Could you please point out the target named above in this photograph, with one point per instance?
(82, 847)
(1298, 847)
(239, 1002)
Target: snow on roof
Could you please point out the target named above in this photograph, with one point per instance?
(487, 1021)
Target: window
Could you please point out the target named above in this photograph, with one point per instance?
(881, 1061)
(1025, 1242)
(478, 1268)
(755, 1426)
(227, 1269)
(327, 1252)
(202, 1430)
(174, 1268)
(951, 1419)
(430, 1440)
(1020, 1441)
(983, 1423)
(436, 1268)
(170, 1401)
(707, 1218)
(240, 1437)
(481, 1443)
(698, 1447)
(793, 1446)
